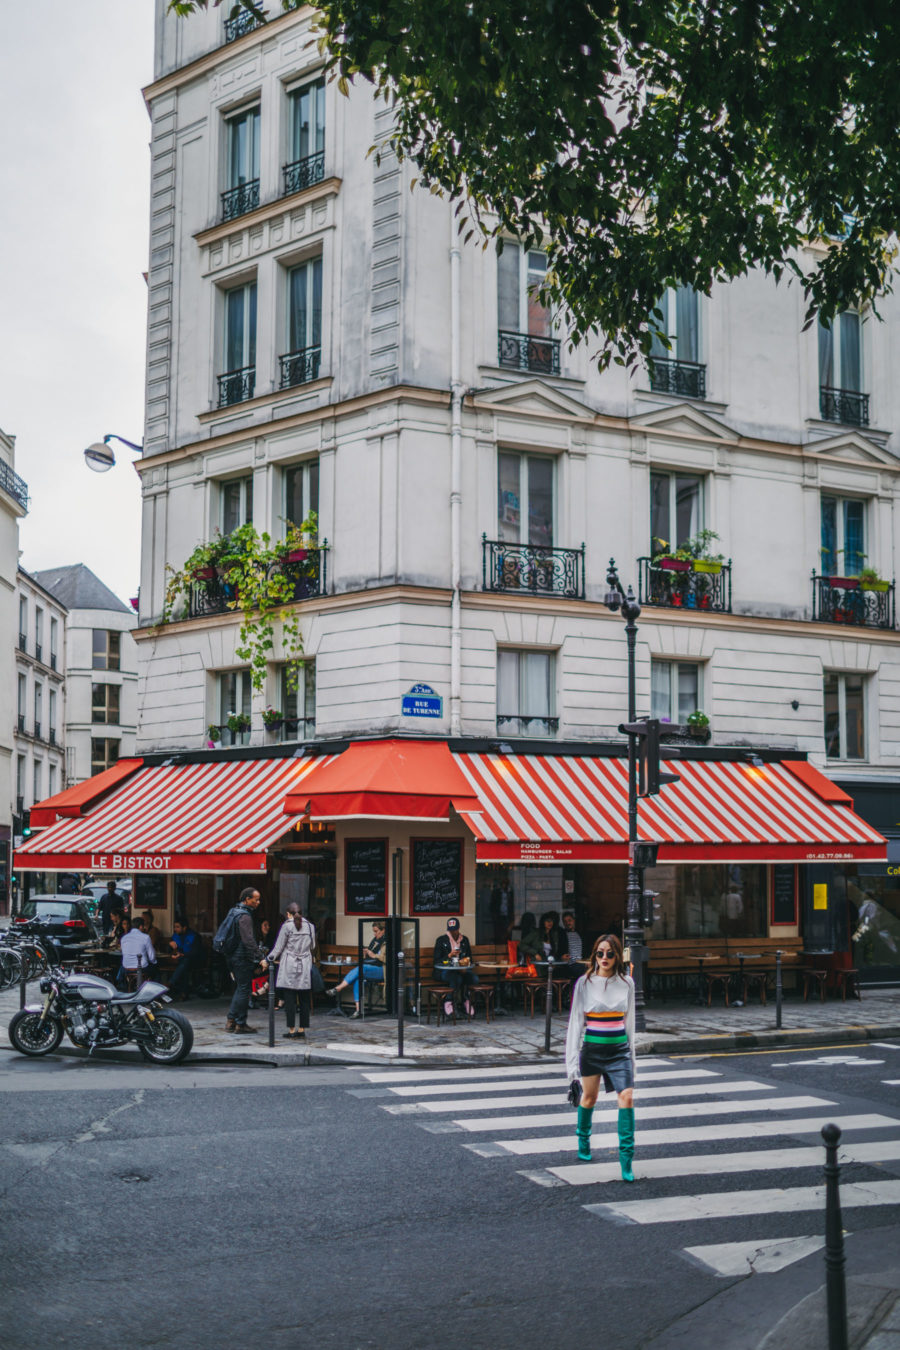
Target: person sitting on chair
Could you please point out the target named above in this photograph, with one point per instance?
(453, 964)
(373, 968)
(187, 948)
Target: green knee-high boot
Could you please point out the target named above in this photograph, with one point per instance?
(583, 1132)
(626, 1141)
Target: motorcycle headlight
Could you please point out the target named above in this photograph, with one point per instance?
(45, 984)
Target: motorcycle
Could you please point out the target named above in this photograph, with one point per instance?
(94, 1014)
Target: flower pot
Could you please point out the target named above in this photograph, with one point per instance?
(675, 564)
(273, 724)
(677, 599)
(704, 602)
(298, 555)
(690, 600)
(875, 586)
(844, 583)
(203, 573)
(707, 565)
(698, 733)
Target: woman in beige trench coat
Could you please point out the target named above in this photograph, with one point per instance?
(293, 950)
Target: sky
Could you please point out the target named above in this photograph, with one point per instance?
(74, 169)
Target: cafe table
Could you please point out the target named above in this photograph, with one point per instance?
(707, 956)
(741, 958)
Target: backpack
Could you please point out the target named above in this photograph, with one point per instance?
(228, 937)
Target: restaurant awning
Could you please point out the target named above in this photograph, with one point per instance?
(76, 800)
(386, 780)
(217, 816)
(574, 808)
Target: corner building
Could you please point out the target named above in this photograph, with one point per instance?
(319, 339)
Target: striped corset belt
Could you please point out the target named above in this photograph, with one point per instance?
(605, 1031)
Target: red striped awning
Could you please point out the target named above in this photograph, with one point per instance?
(557, 808)
(218, 816)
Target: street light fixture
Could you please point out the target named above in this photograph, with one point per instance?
(100, 456)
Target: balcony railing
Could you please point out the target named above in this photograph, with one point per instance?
(300, 367)
(532, 570)
(521, 351)
(228, 737)
(843, 405)
(23, 642)
(53, 660)
(14, 485)
(241, 23)
(236, 386)
(303, 173)
(513, 724)
(293, 729)
(308, 575)
(237, 201)
(20, 722)
(677, 584)
(38, 652)
(850, 601)
(687, 378)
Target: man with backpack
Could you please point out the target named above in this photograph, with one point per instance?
(236, 941)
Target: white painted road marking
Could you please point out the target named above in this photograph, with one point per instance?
(671, 1111)
(504, 1071)
(736, 1204)
(682, 1090)
(829, 1060)
(754, 1258)
(545, 1084)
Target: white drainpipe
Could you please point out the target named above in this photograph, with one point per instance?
(456, 397)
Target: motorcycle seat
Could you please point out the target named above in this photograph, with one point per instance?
(148, 991)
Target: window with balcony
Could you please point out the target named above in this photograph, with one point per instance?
(104, 753)
(234, 697)
(840, 371)
(54, 643)
(301, 362)
(38, 633)
(526, 693)
(20, 783)
(38, 707)
(674, 690)
(677, 369)
(238, 382)
(845, 722)
(525, 327)
(23, 624)
(235, 503)
(843, 530)
(307, 137)
(21, 701)
(676, 509)
(242, 164)
(522, 557)
(51, 780)
(105, 703)
(37, 770)
(298, 705)
(107, 647)
(51, 717)
(301, 491)
(236, 25)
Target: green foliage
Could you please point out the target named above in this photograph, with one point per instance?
(693, 549)
(213, 733)
(698, 718)
(644, 144)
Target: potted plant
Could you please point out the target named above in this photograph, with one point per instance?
(272, 718)
(237, 723)
(669, 559)
(299, 539)
(869, 580)
(842, 583)
(698, 724)
(213, 734)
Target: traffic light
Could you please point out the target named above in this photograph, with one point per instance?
(26, 824)
(650, 779)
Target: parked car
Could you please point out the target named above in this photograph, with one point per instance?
(67, 918)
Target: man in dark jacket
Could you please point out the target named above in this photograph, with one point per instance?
(242, 961)
(111, 902)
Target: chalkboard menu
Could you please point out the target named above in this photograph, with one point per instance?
(436, 876)
(149, 893)
(784, 892)
(365, 876)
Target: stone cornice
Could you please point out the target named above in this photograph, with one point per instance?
(328, 187)
(266, 400)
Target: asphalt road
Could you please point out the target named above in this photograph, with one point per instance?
(219, 1206)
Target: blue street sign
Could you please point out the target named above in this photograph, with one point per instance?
(422, 701)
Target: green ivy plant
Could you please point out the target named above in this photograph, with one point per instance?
(692, 550)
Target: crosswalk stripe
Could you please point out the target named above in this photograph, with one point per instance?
(671, 1111)
(714, 1164)
(525, 1084)
(736, 1204)
(754, 1256)
(689, 1134)
(499, 1071)
(682, 1090)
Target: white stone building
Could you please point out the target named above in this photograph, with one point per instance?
(101, 671)
(39, 688)
(13, 506)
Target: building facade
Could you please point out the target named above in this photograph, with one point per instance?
(13, 506)
(101, 671)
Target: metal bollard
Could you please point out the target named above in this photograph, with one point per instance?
(834, 1243)
(23, 984)
(778, 990)
(401, 1001)
(271, 971)
(549, 1005)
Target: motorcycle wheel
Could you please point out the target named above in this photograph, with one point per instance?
(31, 1037)
(173, 1038)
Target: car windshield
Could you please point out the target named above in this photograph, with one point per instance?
(50, 909)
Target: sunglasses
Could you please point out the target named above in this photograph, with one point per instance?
(605, 954)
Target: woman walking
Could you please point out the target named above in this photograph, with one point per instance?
(293, 951)
(600, 1044)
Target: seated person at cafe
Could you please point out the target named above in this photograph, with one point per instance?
(553, 942)
(574, 950)
(137, 951)
(188, 951)
(453, 965)
(160, 944)
(373, 968)
(114, 936)
(530, 946)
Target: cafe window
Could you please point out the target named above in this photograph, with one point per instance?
(525, 499)
(843, 529)
(674, 690)
(298, 705)
(845, 723)
(105, 703)
(235, 503)
(526, 693)
(706, 900)
(234, 699)
(301, 491)
(106, 649)
(104, 753)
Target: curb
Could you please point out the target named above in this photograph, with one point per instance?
(761, 1040)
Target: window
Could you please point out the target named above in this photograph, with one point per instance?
(37, 779)
(20, 781)
(234, 696)
(843, 522)
(674, 690)
(525, 479)
(301, 491)
(38, 633)
(51, 781)
(51, 714)
(709, 900)
(106, 649)
(304, 324)
(105, 703)
(840, 355)
(23, 623)
(676, 509)
(54, 640)
(681, 323)
(307, 145)
(526, 693)
(21, 700)
(520, 274)
(845, 735)
(242, 164)
(104, 753)
(299, 705)
(239, 348)
(38, 707)
(235, 503)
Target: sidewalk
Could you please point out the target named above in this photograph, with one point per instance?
(672, 1028)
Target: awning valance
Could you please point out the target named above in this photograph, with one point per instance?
(385, 780)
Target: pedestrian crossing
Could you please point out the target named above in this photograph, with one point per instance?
(697, 1130)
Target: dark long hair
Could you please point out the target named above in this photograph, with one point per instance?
(618, 956)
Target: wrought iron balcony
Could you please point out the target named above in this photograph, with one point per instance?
(38, 652)
(300, 367)
(532, 570)
(237, 201)
(23, 642)
(20, 722)
(850, 601)
(677, 584)
(513, 724)
(687, 378)
(16, 487)
(236, 386)
(293, 729)
(242, 22)
(522, 351)
(843, 405)
(303, 173)
(51, 735)
(306, 570)
(53, 660)
(228, 737)
(37, 731)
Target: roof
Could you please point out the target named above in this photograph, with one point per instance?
(77, 587)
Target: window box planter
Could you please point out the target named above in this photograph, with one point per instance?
(203, 573)
(675, 564)
(707, 565)
(298, 555)
(843, 583)
(882, 586)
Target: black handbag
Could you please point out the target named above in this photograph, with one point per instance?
(575, 1091)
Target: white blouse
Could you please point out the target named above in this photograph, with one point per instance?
(596, 993)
